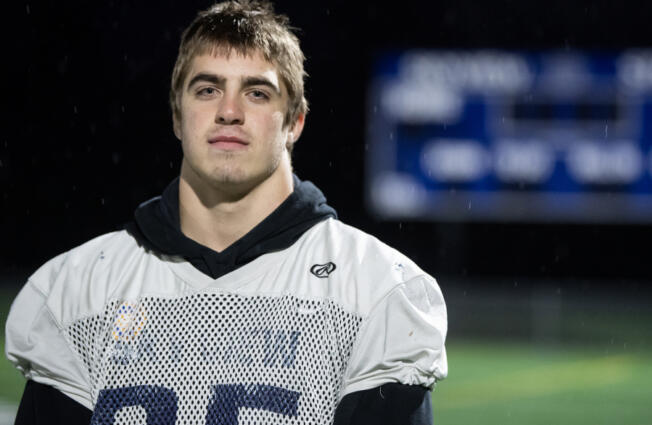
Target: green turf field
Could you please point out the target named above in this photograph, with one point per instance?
(510, 383)
(11, 381)
(518, 384)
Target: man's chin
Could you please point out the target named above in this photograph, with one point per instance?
(222, 178)
(235, 182)
(233, 179)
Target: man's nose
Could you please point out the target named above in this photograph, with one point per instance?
(229, 111)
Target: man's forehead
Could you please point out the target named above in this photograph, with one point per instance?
(233, 63)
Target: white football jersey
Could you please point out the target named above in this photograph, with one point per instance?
(131, 334)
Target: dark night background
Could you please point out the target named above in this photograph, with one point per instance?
(87, 132)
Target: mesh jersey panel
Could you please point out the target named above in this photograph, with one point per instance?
(216, 358)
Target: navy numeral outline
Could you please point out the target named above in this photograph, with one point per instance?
(227, 400)
(161, 403)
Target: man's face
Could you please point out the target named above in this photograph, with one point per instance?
(231, 121)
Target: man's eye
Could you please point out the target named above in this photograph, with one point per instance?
(206, 91)
(259, 94)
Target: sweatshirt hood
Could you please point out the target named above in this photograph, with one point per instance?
(157, 226)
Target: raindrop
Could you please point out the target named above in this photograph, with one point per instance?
(0, 163)
(171, 166)
(102, 201)
(122, 108)
(27, 9)
(400, 226)
(375, 109)
(606, 131)
(469, 207)
(74, 108)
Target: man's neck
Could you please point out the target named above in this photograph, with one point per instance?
(217, 217)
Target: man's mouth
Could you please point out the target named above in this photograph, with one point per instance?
(228, 143)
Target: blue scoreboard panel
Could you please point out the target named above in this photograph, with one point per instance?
(509, 135)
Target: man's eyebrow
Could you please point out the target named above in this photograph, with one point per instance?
(206, 77)
(260, 81)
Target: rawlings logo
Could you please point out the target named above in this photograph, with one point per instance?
(323, 270)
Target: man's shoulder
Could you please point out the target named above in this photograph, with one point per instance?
(360, 269)
(102, 254)
(362, 248)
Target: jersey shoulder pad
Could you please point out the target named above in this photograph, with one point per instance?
(366, 269)
(88, 273)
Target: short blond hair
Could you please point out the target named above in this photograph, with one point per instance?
(246, 27)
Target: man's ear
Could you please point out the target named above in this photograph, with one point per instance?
(295, 130)
(176, 126)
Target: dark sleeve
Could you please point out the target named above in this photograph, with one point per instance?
(389, 404)
(43, 405)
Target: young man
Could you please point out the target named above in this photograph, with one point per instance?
(237, 296)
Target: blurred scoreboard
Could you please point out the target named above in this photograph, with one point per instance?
(507, 135)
